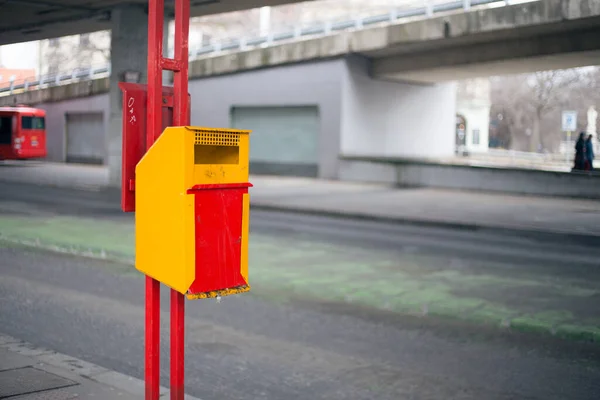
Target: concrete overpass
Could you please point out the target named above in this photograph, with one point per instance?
(541, 35)
(377, 92)
(25, 20)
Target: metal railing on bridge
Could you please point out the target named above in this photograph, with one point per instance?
(421, 8)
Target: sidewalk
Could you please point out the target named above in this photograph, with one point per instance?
(444, 208)
(426, 206)
(28, 372)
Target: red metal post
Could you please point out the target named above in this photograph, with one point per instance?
(180, 79)
(181, 117)
(177, 345)
(155, 37)
(153, 126)
(152, 339)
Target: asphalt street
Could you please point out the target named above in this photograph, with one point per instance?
(547, 249)
(247, 347)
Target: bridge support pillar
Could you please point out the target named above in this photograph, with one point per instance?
(129, 54)
(391, 119)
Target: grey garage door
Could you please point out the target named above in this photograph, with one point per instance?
(284, 140)
(85, 138)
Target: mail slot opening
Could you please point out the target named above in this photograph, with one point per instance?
(216, 154)
(216, 147)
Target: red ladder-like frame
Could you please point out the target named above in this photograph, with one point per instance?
(179, 65)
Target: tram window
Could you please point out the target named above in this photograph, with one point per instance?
(5, 130)
(33, 123)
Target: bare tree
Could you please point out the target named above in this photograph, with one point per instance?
(527, 108)
(508, 111)
(230, 25)
(549, 91)
(77, 51)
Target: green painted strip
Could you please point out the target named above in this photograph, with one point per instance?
(287, 267)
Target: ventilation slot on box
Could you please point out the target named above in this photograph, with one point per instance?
(213, 147)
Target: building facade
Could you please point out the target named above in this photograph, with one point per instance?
(473, 104)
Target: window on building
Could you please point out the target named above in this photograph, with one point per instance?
(476, 137)
(84, 40)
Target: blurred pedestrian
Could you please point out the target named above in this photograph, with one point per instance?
(589, 153)
(580, 148)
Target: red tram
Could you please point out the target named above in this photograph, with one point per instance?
(22, 133)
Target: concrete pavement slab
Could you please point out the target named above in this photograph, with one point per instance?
(30, 372)
(28, 380)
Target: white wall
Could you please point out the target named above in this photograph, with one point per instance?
(381, 118)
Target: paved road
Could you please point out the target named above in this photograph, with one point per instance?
(247, 347)
(547, 250)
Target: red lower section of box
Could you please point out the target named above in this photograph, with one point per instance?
(218, 228)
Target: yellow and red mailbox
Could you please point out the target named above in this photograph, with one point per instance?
(192, 211)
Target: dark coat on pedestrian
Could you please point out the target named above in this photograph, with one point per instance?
(589, 153)
(580, 147)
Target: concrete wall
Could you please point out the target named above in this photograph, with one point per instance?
(56, 120)
(317, 84)
(383, 118)
(412, 173)
(516, 181)
(358, 115)
(52, 94)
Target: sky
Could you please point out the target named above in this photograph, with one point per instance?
(19, 55)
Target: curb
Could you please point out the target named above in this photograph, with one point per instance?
(84, 369)
(527, 232)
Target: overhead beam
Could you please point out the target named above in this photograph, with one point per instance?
(36, 27)
(464, 56)
(51, 4)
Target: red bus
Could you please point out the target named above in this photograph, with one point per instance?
(22, 133)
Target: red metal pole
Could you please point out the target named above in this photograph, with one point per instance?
(177, 345)
(180, 78)
(180, 117)
(153, 123)
(152, 339)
